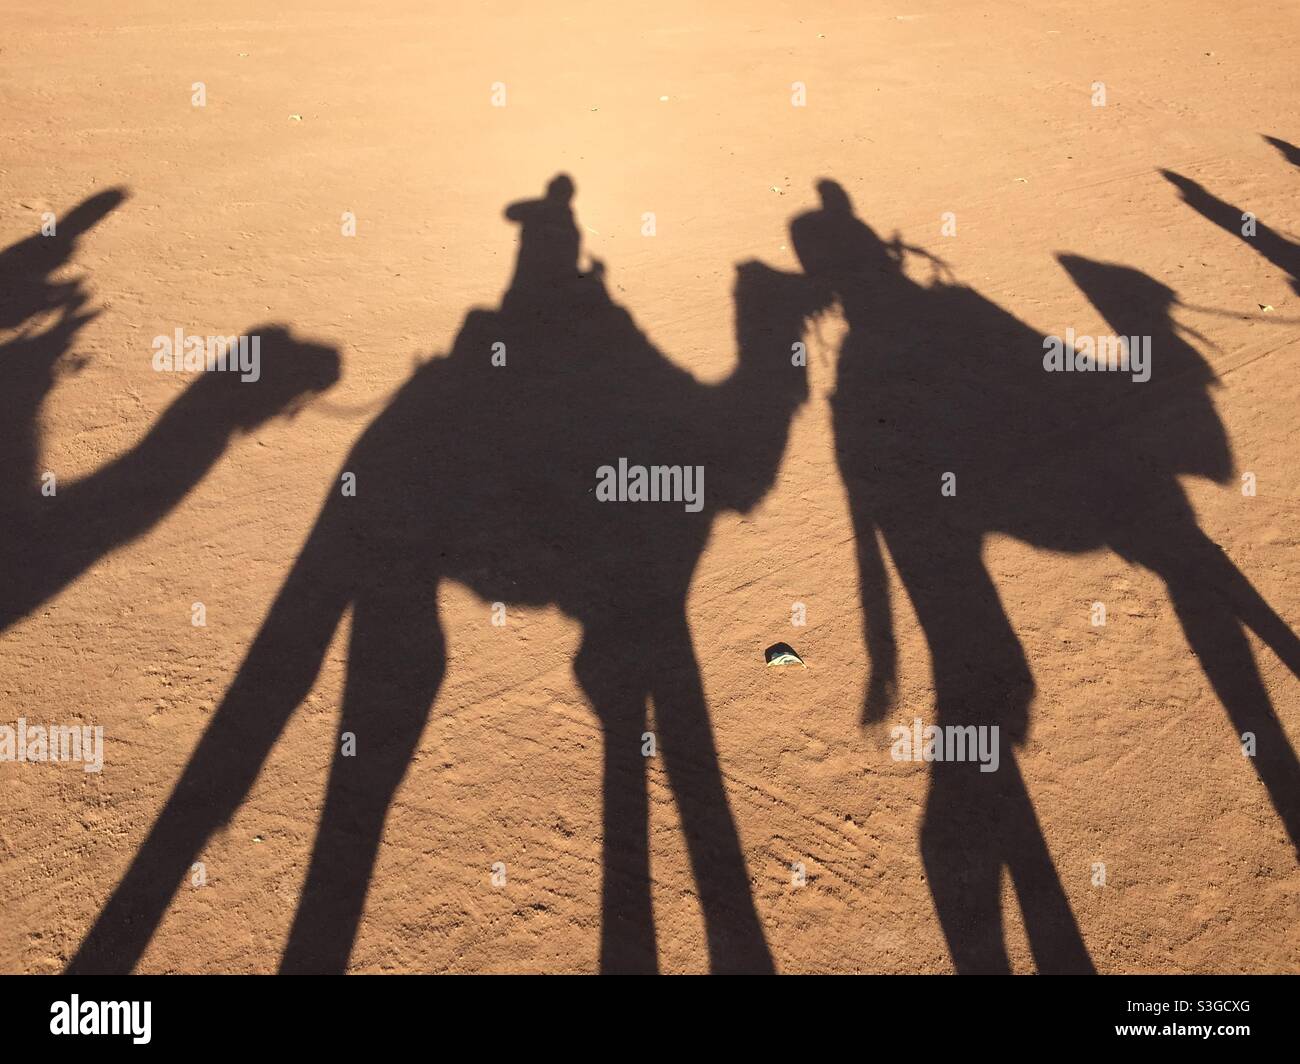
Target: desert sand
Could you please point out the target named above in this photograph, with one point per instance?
(346, 177)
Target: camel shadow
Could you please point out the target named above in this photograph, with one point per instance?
(949, 429)
(1272, 245)
(511, 466)
(55, 530)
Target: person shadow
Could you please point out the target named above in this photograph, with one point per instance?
(491, 467)
(54, 531)
(948, 430)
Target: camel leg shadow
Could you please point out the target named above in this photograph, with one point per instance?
(396, 662)
(976, 822)
(613, 681)
(671, 677)
(1215, 603)
(276, 676)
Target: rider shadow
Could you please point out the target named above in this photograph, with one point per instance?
(51, 539)
(949, 429)
(483, 469)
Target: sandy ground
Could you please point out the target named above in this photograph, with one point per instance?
(681, 109)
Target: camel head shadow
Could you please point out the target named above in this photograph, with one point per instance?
(60, 533)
